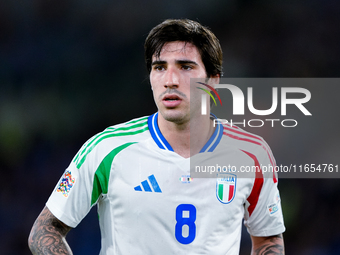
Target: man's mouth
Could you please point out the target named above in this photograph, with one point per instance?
(171, 98)
(171, 101)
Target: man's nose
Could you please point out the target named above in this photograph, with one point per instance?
(171, 78)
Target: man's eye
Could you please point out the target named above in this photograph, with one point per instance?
(159, 68)
(186, 67)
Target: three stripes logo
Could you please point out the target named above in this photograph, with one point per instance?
(146, 185)
(204, 97)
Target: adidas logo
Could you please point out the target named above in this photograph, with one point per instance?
(146, 186)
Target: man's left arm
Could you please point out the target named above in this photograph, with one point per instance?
(271, 245)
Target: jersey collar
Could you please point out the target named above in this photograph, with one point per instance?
(163, 143)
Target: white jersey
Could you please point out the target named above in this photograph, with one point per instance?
(148, 203)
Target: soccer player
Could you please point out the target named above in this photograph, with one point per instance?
(138, 172)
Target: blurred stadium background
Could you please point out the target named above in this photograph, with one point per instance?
(71, 68)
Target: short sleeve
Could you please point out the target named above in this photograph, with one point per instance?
(71, 199)
(263, 214)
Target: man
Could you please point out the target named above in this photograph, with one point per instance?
(138, 173)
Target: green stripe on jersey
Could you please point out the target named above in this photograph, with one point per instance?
(220, 191)
(108, 130)
(107, 133)
(102, 174)
(137, 120)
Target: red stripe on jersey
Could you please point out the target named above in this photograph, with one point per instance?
(257, 187)
(242, 133)
(233, 126)
(262, 144)
(231, 192)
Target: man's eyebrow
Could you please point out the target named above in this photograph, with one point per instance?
(186, 61)
(179, 62)
(158, 62)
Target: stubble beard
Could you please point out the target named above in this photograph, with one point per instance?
(176, 116)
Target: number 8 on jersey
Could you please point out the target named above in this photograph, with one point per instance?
(185, 220)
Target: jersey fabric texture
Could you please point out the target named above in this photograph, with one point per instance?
(148, 203)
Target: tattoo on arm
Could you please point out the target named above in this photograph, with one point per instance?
(48, 235)
(271, 246)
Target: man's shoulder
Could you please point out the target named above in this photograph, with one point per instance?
(131, 124)
(244, 140)
(133, 129)
(113, 138)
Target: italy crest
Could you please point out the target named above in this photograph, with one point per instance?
(226, 188)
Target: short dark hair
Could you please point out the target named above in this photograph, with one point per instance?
(188, 31)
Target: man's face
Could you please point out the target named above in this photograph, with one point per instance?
(170, 80)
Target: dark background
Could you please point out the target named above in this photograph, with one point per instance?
(71, 68)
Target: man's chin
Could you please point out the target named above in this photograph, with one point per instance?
(175, 117)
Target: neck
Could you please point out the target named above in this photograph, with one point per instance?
(187, 139)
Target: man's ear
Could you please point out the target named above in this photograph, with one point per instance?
(214, 80)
